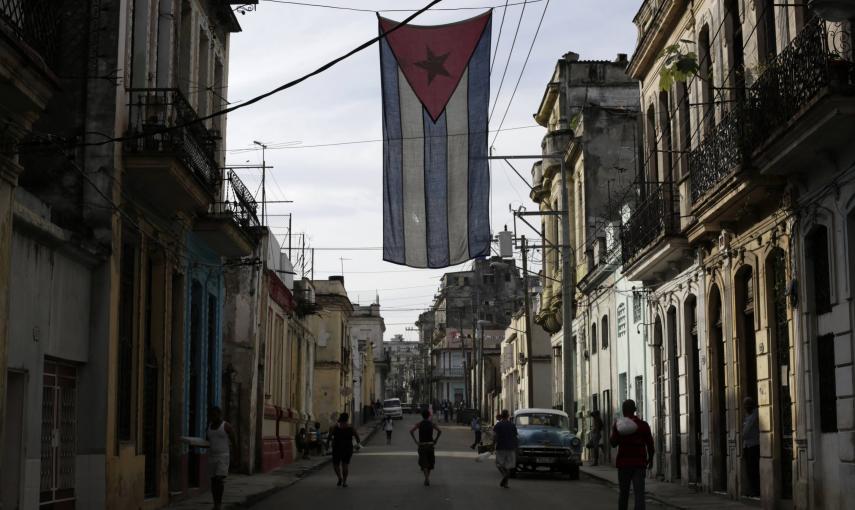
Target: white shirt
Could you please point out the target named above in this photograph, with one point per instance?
(388, 427)
(219, 439)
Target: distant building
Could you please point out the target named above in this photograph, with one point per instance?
(367, 328)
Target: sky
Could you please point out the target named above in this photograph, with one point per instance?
(336, 190)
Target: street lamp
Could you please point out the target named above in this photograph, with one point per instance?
(263, 178)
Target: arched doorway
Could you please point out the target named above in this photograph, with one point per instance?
(779, 350)
(693, 390)
(718, 393)
(659, 395)
(747, 366)
(673, 394)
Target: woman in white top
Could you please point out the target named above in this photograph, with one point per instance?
(220, 438)
(388, 427)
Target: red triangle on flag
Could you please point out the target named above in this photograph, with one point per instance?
(434, 58)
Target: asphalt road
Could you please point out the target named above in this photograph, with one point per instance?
(388, 477)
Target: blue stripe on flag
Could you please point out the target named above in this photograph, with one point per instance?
(479, 172)
(436, 189)
(393, 196)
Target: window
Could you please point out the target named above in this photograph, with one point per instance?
(604, 332)
(636, 307)
(665, 129)
(127, 337)
(593, 338)
(622, 389)
(639, 395)
(621, 319)
(816, 252)
(827, 384)
(652, 166)
(766, 35)
(705, 57)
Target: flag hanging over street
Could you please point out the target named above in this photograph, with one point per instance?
(436, 181)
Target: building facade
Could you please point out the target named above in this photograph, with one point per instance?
(367, 328)
(333, 374)
(733, 231)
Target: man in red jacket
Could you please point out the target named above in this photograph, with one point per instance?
(631, 435)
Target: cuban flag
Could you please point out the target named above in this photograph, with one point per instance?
(436, 181)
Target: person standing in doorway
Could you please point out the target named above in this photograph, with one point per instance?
(595, 443)
(634, 441)
(475, 425)
(388, 427)
(342, 437)
(426, 443)
(221, 437)
(751, 446)
(505, 439)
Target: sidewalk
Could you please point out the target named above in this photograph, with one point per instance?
(245, 490)
(671, 495)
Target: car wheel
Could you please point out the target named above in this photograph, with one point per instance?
(573, 474)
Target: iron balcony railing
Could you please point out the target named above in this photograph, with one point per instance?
(654, 218)
(815, 61)
(35, 22)
(163, 121)
(448, 372)
(237, 202)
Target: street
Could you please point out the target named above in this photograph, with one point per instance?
(388, 477)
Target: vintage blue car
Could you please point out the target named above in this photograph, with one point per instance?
(546, 441)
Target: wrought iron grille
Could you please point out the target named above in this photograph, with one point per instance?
(35, 22)
(816, 60)
(163, 122)
(654, 218)
(720, 155)
(238, 202)
(796, 76)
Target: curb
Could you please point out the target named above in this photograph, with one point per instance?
(647, 495)
(260, 496)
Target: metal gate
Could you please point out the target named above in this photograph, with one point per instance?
(58, 436)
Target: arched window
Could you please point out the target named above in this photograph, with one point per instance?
(604, 332)
(705, 56)
(593, 338)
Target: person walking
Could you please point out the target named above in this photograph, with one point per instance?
(751, 446)
(221, 436)
(388, 427)
(426, 443)
(475, 425)
(631, 435)
(505, 440)
(342, 437)
(595, 443)
(303, 443)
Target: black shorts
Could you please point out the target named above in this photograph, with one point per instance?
(427, 458)
(341, 457)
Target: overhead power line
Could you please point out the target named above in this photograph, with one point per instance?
(357, 9)
(265, 95)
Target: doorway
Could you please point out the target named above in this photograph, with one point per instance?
(659, 397)
(13, 442)
(58, 436)
(776, 284)
(674, 395)
(694, 390)
(718, 394)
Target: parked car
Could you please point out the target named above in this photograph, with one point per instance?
(392, 407)
(546, 441)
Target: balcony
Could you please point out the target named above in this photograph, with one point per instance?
(650, 240)
(800, 106)
(804, 103)
(169, 157)
(448, 372)
(231, 225)
(34, 23)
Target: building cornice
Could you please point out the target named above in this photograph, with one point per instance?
(654, 37)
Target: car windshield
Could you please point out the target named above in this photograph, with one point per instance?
(392, 403)
(542, 420)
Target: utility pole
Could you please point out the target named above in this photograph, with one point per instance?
(263, 182)
(528, 341)
(568, 283)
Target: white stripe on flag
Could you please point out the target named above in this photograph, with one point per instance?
(415, 217)
(457, 118)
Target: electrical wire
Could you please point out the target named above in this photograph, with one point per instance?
(522, 72)
(499, 38)
(507, 63)
(357, 9)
